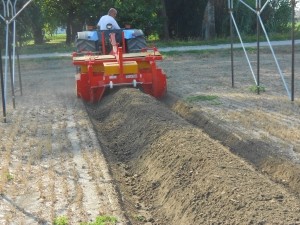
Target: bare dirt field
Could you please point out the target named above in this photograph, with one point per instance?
(233, 159)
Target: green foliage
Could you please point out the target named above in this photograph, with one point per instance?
(141, 14)
(276, 16)
(184, 17)
(256, 88)
(62, 220)
(102, 220)
(140, 218)
(9, 177)
(280, 16)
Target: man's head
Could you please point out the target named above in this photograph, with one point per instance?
(112, 12)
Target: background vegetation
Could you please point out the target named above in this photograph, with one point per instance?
(159, 19)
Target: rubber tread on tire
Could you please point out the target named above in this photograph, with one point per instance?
(136, 44)
(85, 45)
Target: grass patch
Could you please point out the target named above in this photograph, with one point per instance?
(61, 220)
(54, 43)
(198, 98)
(49, 47)
(102, 220)
(57, 43)
(9, 177)
(256, 88)
(220, 40)
(140, 218)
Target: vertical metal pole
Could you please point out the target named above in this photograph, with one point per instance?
(6, 60)
(4, 8)
(230, 7)
(19, 69)
(11, 71)
(258, 6)
(15, 50)
(2, 88)
(14, 41)
(293, 51)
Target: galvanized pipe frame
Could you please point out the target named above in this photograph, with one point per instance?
(9, 16)
(243, 46)
(259, 9)
(8, 12)
(2, 89)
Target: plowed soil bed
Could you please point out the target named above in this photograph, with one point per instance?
(233, 159)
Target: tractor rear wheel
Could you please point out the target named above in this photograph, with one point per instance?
(83, 45)
(136, 44)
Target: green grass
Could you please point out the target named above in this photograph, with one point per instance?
(56, 43)
(48, 47)
(9, 177)
(227, 40)
(52, 44)
(61, 220)
(256, 88)
(140, 218)
(102, 220)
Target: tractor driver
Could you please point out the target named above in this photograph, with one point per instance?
(108, 22)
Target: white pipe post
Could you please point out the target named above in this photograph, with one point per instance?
(24, 6)
(4, 8)
(14, 41)
(6, 60)
(230, 7)
(275, 59)
(244, 49)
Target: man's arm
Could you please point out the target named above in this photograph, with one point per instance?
(115, 24)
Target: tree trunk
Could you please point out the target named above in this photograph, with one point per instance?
(73, 26)
(165, 19)
(77, 27)
(208, 23)
(36, 23)
(69, 29)
(38, 35)
(69, 33)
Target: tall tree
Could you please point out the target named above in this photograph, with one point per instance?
(66, 13)
(222, 18)
(37, 23)
(185, 18)
(208, 24)
(166, 34)
(73, 14)
(175, 18)
(141, 14)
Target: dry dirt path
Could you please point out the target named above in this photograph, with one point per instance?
(51, 162)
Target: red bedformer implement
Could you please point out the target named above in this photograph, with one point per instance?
(118, 68)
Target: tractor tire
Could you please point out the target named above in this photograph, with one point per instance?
(83, 45)
(136, 44)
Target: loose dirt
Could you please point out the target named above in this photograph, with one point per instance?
(181, 160)
(52, 166)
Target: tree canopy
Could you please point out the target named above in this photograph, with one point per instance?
(162, 18)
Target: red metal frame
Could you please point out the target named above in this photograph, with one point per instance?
(92, 81)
